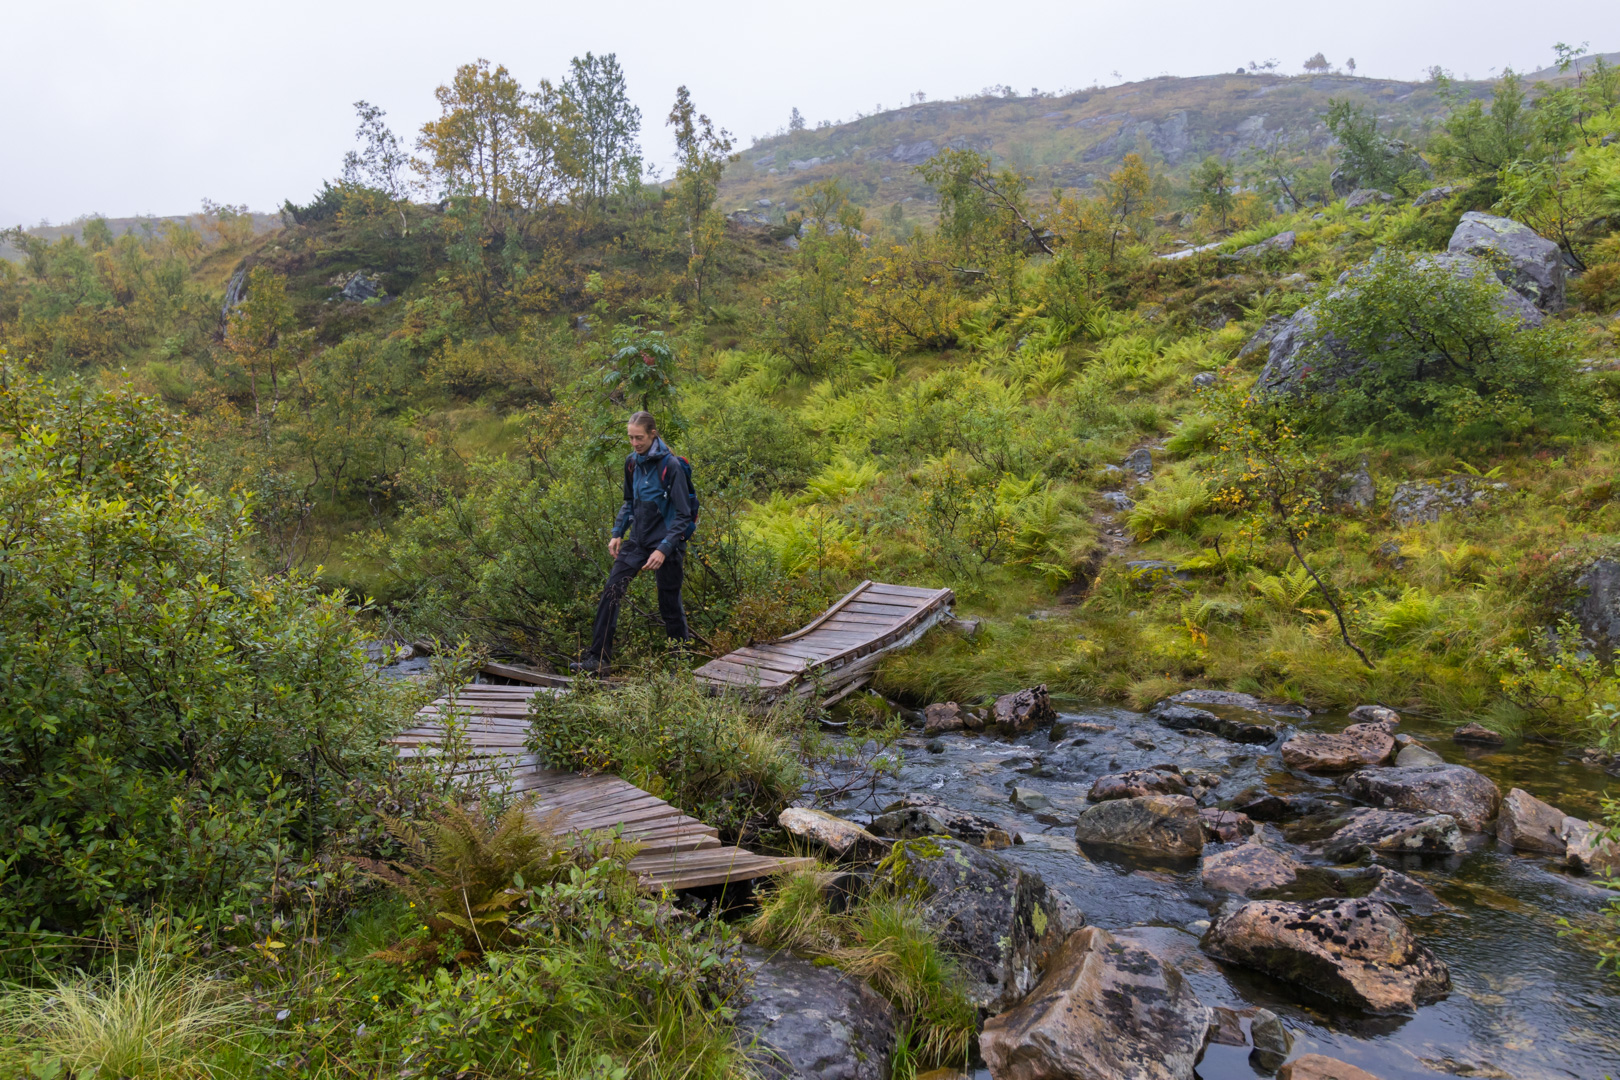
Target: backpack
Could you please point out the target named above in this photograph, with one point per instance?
(691, 488)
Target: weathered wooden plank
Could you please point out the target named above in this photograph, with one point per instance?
(768, 659)
(898, 611)
(909, 591)
(751, 674)
(525, 674)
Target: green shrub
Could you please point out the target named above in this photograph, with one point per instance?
(171, 723)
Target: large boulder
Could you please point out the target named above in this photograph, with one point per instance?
(1281, 244)
(1527, 263)
(1106, 1009)
(1248, 868)
(839, 838)
(805, 1021)
(913, 816)
(1366, 197)
(1356, 952)
(1445, 789)
(1025, 710)
(1321, 1067)
(1002, 921)
(1417, 502)
(1153, 824)
(1529, 824)
(1598, 609)
(1391, 832)
(1355, 746)
(1137, 783)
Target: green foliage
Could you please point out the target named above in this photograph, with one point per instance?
(1371, 157)
(172, 721)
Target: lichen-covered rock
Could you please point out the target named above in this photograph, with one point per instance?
(1419, 501)
(1445, 789)
(942, 717)
(1136, 783)
(1352, 748)
(1392, 832)
(1356, 952)
(1598, 609)
(1248, 868)
(804, 1022)
(1527, 823)
(1106, 1009)
(1526, 262)
(1281, 244)
(840, 838)
(913, 816)
(1025, 710)
(1153, 824)
(1001, 921)
(1319, 1067)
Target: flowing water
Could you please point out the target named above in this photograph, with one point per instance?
(1525, 1002)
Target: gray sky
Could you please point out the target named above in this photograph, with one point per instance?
(148, 107)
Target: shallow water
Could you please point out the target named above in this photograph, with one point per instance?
(1525, 1002)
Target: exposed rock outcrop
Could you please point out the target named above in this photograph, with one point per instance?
(1527, 263)
(810, 1022)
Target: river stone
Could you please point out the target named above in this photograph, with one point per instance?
(812, 1022)
(1106, 1009)
(1136, 783)
(1178, 717)
(1231, 699)
(1029, 799)
(1356, 952)
(1394, 833)
(1417, 754)
(1447, 789)
(1529, 824)
(1318, 1067)
(942, 717)
(1227, 826)
(1396, 889)
(1355, 746)
(1375, 714)
(1527, 263)
(1226, 1027)
(1001, 921)
(1478, 735)
(1025, 710)
(913, 816)
(1586, 851)
(1263, 805)
(839, 837)
(1248, 868)
(1272, 1043)
(1157, 824)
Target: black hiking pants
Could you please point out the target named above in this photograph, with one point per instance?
(632, 557)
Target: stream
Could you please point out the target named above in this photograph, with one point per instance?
(1525, 1003)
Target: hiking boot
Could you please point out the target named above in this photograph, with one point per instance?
(588, 666)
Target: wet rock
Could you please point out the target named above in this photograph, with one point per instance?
(1003, 922)
(1231, 699)
(1528, 824)
(1417, 754)
(1029, 799)
(1227, 826)
(1586, 850)
(1352, 748)
(1262, 337)
(942, 717)
(1526, 262)
(914, 816)
(1226, 1027)
(1318, 1067)
(1421, 501)
(1356, 952)
(1140, 462)
(1179, 717)
(840, 838)
(1107, 1009)
(1025, 710)
(1272, 1043)
(1155, 824)
(1248, 868)
(1446, 789)
(1262, 805)
(1478, 735)
(1393, 832)
(1396, 889)
(1375, 714)
(1356, 490)
(1137, 783)
(806, 1021)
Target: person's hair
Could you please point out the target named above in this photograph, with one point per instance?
(644, 421)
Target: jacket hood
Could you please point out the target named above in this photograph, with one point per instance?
(659, 449)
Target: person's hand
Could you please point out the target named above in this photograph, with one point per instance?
(613, 546)
(654, 561)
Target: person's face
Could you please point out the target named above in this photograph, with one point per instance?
(641, 439)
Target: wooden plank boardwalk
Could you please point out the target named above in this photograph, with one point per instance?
(676, 851)
(837, 652)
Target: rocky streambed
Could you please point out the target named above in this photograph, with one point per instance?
(1259, 889)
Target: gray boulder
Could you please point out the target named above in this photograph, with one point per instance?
(1153, 824)
(1416, 754)
(1365, 197)
(1598, 609)
(1363, 830)
(1107, 1009)
(839, 838)
(1527, 263)
(1356, 952)
(942, 717)
(1272, 1043)
(1280, 244)
(1140, 462)
(1435, 194)
(1529, 824)
(913, 816)
(1137, 783)
(1444, 789)
(1587, 849)
(360, 288)
(1421, 501)
(1376, 714)
(1002, 922)
(811, 1022)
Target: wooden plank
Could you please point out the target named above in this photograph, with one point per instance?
(525, 674)
(910, 591)
(802, 649)
(898, 611)
(770, 661)
(818, 620)
(749, 675)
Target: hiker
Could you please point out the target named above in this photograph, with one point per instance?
(650, 533)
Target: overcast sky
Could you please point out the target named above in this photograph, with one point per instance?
(122, 107)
